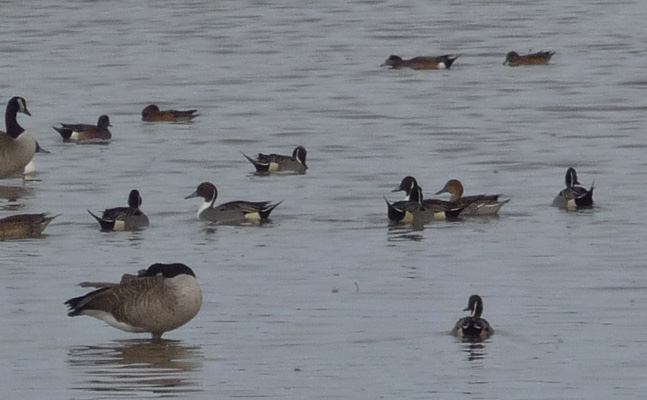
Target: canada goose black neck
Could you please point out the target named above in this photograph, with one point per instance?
(167, 270)
(15, 105)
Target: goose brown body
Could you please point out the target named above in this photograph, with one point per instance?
(17, 146)
(159, 299)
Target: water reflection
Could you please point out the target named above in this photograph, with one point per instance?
(405, 232)
(11, 194)
(165, 367)
(475, 348)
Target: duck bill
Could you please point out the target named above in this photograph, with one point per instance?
(192, 195)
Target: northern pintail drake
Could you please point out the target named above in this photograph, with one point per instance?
(480, 204)
(129, 218)
(473, 327)
(152, 113)
(513, 59)
(573, 197)
(156, 300)
(81, 133)
(24, 226)
(265, 163)
(421, 62)
(17, 146)
(415, 209)
(233, 212)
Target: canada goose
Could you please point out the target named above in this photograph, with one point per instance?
(265, 163)
(17, 146)
(152, 113)
(24, 226)
(158, 299)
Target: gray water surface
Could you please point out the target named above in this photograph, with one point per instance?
(327, 301)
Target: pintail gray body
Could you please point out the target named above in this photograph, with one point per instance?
(267, 163)
(129, 218)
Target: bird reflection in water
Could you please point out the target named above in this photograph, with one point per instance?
(405, 233)
(137, 366)
(9, 196)
(475, 349)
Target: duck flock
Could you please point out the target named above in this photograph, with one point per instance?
(164, 297)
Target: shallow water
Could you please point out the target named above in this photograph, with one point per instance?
(327, 301)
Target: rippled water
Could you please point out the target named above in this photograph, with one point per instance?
(328, 302)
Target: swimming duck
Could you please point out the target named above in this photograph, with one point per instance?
(415, 209)
(481, 204)
(422, 62)
(443, 209)
(152, 113)
(573, 197)
(513, 59)
(124, 218)
(79, 133)
(473, 327)
(17, 146)
(156, 300)
(232, 212)
(265, 163)
(24, 226)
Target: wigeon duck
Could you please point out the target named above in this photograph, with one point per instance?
(156, 300)
(421, 62)
(573, 197)
(233, 212)
(17, 146)
(481, 204)
(513, 59)
(265, 163)
(152, 113)
(24, 226)
(473, 327)
(124, 218)
(85, 133)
